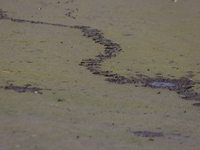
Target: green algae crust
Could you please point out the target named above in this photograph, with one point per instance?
(93, 113)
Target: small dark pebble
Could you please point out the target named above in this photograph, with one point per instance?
(60, 100)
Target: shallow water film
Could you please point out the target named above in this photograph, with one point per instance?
(162, 84)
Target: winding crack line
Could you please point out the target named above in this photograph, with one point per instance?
(181, 86)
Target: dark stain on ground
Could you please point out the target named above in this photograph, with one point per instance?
(148, 133)
(25, 88)
(182, 86)
(196, 104)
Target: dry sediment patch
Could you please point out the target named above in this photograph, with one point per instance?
(182, 86)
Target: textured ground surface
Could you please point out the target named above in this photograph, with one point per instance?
(82, 111)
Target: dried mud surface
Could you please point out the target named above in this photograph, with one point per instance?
(83, 110)
(181, 86)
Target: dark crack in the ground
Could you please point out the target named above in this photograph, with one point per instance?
(182, 86)
(25, 88)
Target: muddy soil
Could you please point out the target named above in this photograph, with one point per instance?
(54, 89)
